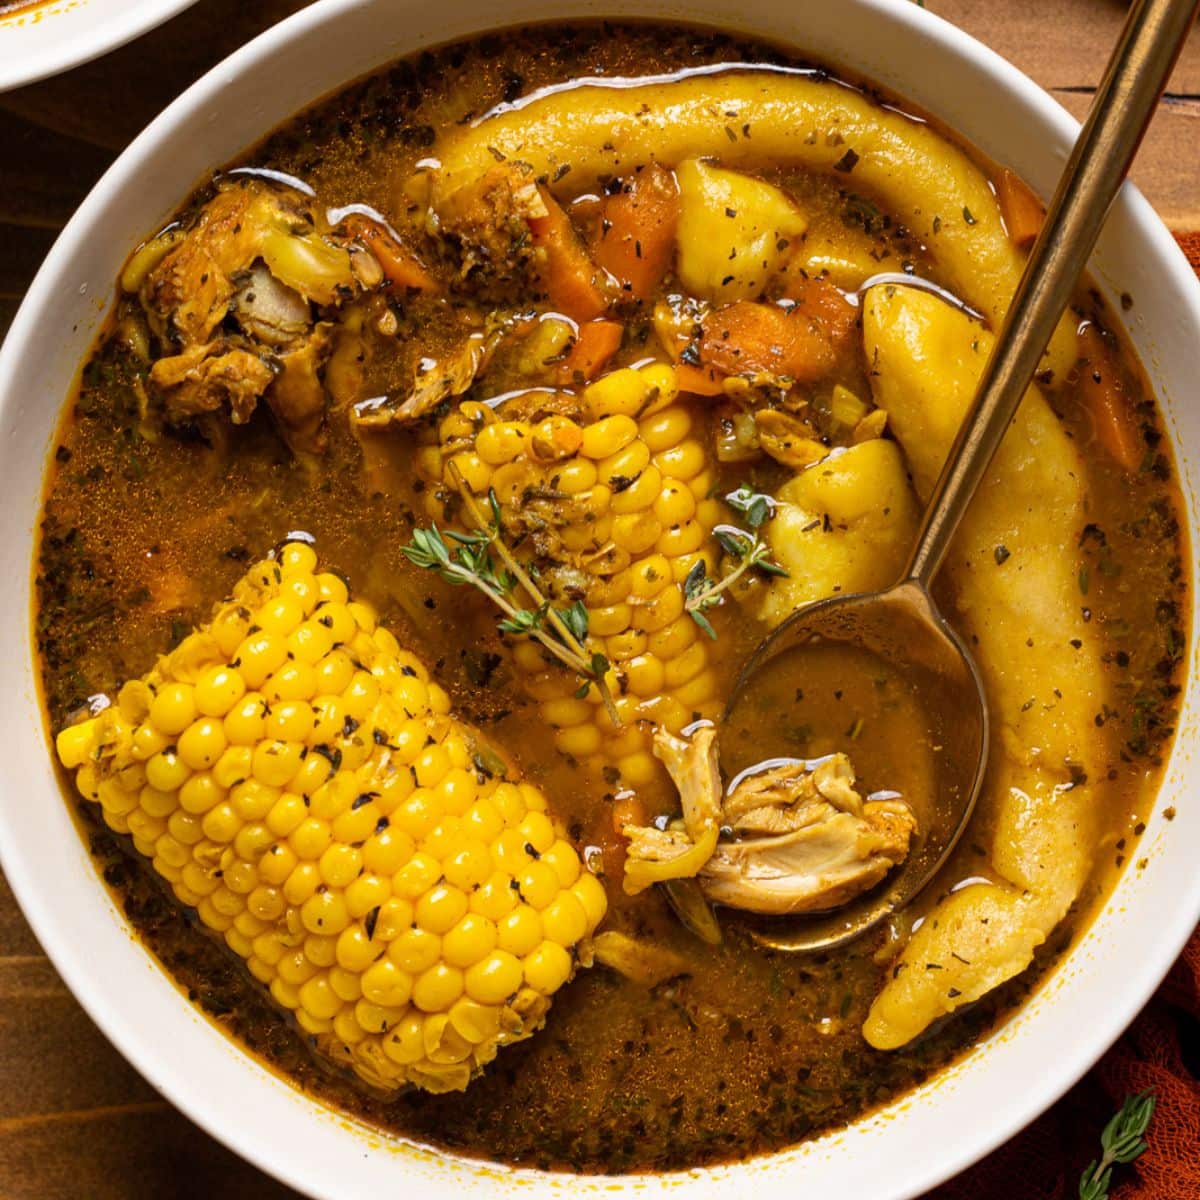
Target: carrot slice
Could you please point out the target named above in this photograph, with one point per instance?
(636, 238)
(400, 265)
(596, 343)
(1022, 211)
(821, 301)
(1103, 393)
(746, 337)
(569, 275)
(699, 381)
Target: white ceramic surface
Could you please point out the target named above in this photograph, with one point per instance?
(60, 34)
(895, 1154)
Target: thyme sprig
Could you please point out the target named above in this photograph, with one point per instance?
(1122, 1141)
(465, 559)
(748, 548)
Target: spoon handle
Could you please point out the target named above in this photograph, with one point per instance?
(1137, 72)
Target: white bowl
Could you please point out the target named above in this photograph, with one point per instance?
(55, 36)
(900, 1152)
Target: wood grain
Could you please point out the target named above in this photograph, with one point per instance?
(76, 1121)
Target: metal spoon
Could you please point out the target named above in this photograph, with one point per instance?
(902, 625)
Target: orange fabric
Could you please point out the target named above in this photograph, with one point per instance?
(1161, 1050)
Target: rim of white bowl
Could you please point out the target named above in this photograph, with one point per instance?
(224, 1121)
(81, 32)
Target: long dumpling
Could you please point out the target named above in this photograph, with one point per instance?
(1013, 576)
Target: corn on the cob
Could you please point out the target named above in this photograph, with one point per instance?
(608, 491)
(300, 781)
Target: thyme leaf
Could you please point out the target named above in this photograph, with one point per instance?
(1122, 1141)
(747, 548)
(756, 507)
(469, 562)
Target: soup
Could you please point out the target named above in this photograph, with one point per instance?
(581, 389)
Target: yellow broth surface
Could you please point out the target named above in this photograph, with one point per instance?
(747, 1051)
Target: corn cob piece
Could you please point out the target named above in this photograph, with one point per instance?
(607, 492)
(300, 782)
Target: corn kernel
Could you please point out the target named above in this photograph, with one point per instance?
(623, 391)
(520, 931)
(386, 984)
(494, 978)
(174, 708)
(166, 771)
(665, 428)
(202, 743)
(538, 885)
(440, 909)
(660, 378)
(607, 436)
(580, 741)
(547, 968)
(257, 656)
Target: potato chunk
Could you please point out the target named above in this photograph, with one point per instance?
(734, 231)
(1013, 572)
(844, 524)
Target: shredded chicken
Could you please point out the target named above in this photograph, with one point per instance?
(654, 855)
(489, 218)
(206, 378)
(795, 838)
(645, 962)
(233, 302)
(815, 845)
(446, 378)
(439, 381)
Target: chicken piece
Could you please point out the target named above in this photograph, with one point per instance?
(450, 377)
(820, 845)
(203, 379)
(270, 311)
(692, 764)
(298, 396)
(187, 295)
(788, 439)
(784, 798)
(489, 219)
(643, 962)
(234, 299)
(797, 838)
(654, 855)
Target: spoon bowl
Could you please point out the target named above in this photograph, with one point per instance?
(909, 641)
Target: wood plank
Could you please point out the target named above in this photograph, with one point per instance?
(108, 101)
(56, 173)
(136, 1153)
(64, 1063)
(22, 249)
(1063, 45)
(16, 938)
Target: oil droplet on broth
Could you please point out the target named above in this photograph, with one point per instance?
(825, 697)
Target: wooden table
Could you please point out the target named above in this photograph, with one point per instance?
(76, 1122)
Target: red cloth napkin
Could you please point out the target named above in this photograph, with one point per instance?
(1161, 1050)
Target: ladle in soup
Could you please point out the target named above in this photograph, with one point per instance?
(898, 635)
